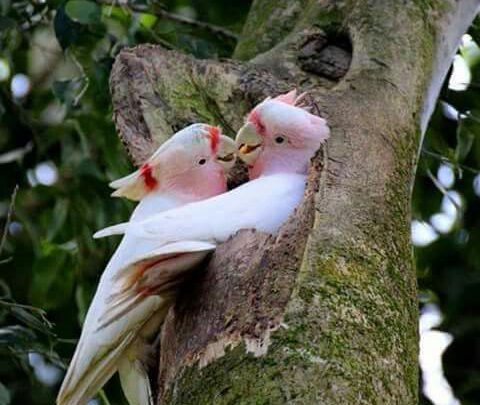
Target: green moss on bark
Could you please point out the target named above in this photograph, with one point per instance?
(267, 24)
(340, 359)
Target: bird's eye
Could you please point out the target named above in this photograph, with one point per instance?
(202, 161)
(279, 139)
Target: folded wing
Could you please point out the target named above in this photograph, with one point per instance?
(122, 305)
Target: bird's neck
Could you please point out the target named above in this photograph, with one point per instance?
(175, 196)
(195, 186)
(156, 202)
(269, 163)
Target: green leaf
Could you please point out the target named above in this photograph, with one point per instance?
(83, 297)
(5, 397)
(67, 31)
(470, 52)
(5, 292)
(53, 277)
(147, 20)
(68, 90)
(88, 167)
(30, 320)
(437, 143)
(16, 337)
(7, 23)
(83, 11)
(59, 216)
(465, 138)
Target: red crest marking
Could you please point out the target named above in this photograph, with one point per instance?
(146, 172)
(255, 120)
(214, 138)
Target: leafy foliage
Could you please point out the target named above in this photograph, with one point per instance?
(449, 266)
(58, 144)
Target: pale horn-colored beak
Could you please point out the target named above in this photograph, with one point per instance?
(249, 144)
(226, 153)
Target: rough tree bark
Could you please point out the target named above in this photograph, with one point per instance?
(325, 313)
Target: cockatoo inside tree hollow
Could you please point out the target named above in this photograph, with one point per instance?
(277, 142)
(127, 310)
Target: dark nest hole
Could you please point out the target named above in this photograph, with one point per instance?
(327, 55)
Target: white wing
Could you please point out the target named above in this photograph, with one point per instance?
(117, 314)
(123, 303)
(158, 251)
(150, 205)
(262, 204)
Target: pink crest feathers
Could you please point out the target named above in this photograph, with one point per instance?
(290, 98)
(254, 118)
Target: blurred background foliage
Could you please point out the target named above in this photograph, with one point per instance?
(58, 151)
(58, 145)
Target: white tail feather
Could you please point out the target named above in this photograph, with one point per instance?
(75, 391)
(135, 382)
(118, 229)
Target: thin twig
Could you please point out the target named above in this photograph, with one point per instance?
(446, 160)
(68, 341)
(9, 218)
(160, 12)
(7, 260)
(39, 311)
(214, 29)
(84, 76)
(104, 398)
(443, 190)
(157, 38)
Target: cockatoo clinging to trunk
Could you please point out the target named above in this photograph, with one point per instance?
(126, 312)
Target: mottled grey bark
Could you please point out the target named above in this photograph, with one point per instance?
(326, 312)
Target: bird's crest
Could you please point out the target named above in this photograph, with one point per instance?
(135, 185)
(291, 98)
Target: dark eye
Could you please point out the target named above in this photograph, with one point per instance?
(279, 139)
(202, 162)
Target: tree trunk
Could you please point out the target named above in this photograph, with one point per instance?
(326, 312)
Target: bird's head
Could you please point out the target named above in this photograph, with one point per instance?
(279, 136)
(193, 164)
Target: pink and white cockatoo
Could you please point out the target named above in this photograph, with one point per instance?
(277, 142)
(121, 322)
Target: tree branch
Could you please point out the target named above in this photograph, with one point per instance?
(157, 10)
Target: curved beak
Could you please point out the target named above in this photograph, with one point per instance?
(226, 153)
(249, 143)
